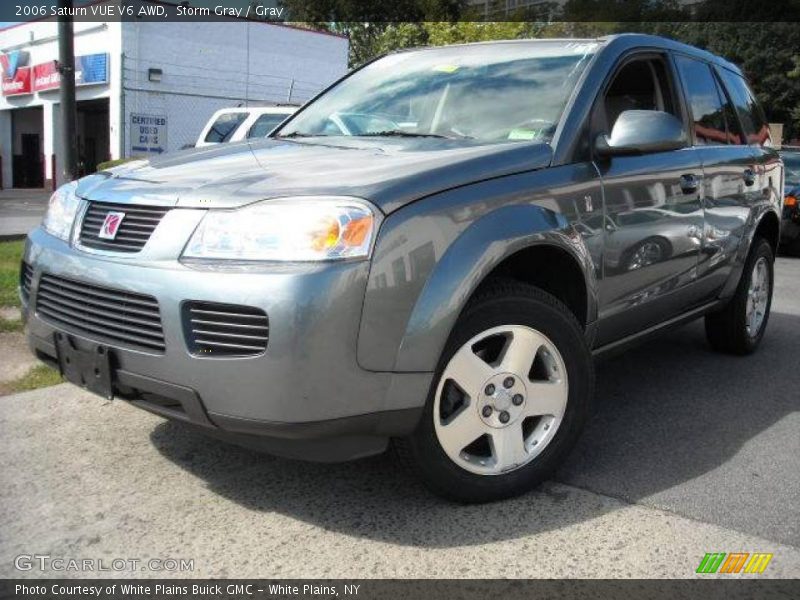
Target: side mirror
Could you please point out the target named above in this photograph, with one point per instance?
(641, 132)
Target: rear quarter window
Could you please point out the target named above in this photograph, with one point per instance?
(749, 110)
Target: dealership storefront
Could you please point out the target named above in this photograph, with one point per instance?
(31, 125)
(145, 88)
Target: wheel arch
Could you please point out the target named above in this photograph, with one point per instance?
(527, 243)
(769, 228)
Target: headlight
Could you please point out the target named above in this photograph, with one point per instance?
(61, 211)
(296, 229)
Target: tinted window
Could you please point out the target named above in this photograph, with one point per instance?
(224, 126)
(639, 85)
(264, 124)
(708, 104)
(749, 110)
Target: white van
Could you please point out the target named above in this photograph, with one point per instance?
(235, 124)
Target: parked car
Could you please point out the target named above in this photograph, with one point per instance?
(236, 124)
(790, 229)
(428, 277)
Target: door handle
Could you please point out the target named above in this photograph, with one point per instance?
(749, 177)
(689, 183)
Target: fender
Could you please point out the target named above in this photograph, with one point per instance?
(433, 254)
(465, 265)
(761, 213)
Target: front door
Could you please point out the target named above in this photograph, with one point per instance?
(654, 218)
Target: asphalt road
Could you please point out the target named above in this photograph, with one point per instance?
(21, 210)
(687, 452)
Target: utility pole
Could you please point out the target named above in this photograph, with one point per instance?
(69, 115)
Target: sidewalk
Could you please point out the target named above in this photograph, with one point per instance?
(21, 210)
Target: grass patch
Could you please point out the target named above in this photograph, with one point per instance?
(10, 326)
(116, 162)
(10, 256)
(39, 376)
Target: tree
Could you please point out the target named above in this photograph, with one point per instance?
(364, 22)
(768, 53)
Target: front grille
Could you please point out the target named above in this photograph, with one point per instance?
(214, 329)
(109, 315)
(136, 228)
(25, 280)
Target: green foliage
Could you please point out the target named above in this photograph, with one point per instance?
(38, 377)
(768, 53)
(116, 162)
(7, 326)
(10, 257)
(365, 22)
(440, 34)
(624, 11)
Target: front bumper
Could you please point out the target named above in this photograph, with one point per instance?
(306, 386)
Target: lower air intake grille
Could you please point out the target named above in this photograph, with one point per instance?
(25, 280)
(109, 315)
(137, 225)
(214, 329)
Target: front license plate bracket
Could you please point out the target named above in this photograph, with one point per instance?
(88, 367)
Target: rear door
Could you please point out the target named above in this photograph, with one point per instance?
(730, 171)
(770, 171)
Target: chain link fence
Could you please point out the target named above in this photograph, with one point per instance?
(189, 97)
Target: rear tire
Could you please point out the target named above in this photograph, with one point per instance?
(738, 328)
(526, 347)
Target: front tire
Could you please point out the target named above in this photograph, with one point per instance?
(739, 327)
(509, 399)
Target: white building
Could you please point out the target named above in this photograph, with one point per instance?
(146, 86)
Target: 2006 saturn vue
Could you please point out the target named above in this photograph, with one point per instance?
(430, 253)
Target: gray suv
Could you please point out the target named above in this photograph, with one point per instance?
(431, 253)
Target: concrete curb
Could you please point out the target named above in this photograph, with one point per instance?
(12, 237)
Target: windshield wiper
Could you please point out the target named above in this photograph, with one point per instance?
(298, 134)
(401, 133)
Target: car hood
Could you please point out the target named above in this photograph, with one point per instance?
(390, 172)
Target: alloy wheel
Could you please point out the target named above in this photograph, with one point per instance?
(500, 400)
(757, 297)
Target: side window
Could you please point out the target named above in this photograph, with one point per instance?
(224, 126)
(711, 111)
(264, 124)
(749, 110)
(638, 85)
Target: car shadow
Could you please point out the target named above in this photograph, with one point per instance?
(665, 413)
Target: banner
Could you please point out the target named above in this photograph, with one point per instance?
(90, 69)
(395, 589)
(16, 79)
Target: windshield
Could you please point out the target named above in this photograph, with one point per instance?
(491, 93)
(791, 164)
